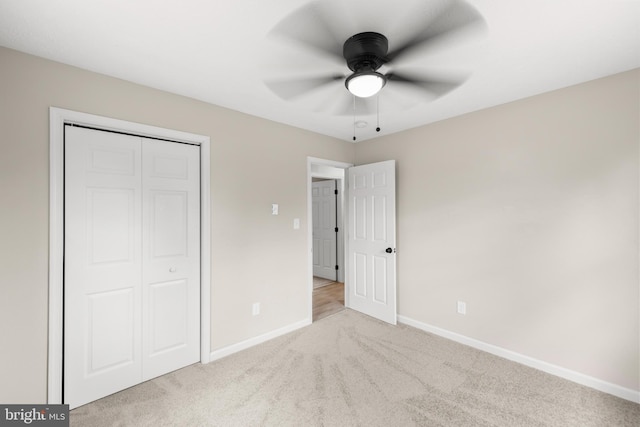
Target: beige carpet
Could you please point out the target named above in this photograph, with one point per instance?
(351, 370)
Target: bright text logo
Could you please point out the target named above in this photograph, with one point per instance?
(37, 415)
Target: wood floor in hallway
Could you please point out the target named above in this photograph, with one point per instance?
(328, 300)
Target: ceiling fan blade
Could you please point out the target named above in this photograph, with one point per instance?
(312, 26)
(293, 88)
(436, 86)
(453, 19)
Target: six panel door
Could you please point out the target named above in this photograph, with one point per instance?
(131, 274)
(371, 244)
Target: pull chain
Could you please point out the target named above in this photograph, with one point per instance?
(377, 115)
(378, 112)
(354, 117)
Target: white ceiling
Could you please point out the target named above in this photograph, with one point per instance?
(223, 51)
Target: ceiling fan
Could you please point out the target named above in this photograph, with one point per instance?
(367, 55)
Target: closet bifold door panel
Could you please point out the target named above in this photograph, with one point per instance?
(170, 256)
(131, 261)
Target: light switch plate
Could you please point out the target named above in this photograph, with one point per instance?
(462, 307)
(274, 209)
(296, 223)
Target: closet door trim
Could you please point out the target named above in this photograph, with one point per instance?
(58, 117)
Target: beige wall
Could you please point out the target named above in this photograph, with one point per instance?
(529, 213)
(256, 257)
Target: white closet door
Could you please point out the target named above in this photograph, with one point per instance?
(103, 211)
(171, 256)
(132, 251)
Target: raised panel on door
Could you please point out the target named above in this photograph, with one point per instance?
(111, 324)
(167, 220)
(169, 314)
(171, 256)
(102, 347)
(111, 228)
(380, 279)
(329, 256)
(328, 227)
(359, 275)
(372, 269)
(316, 231)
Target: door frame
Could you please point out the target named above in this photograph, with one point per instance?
(58, 117)
(315, 170)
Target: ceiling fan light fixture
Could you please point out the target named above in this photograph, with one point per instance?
(365, 84)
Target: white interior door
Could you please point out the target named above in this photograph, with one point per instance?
(127, 321)
(371, 244)
(324, 229)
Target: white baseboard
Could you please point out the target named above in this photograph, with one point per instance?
(243, 345)
(595, 383)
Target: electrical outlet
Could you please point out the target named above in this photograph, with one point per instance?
(462, 307)
(255, 310)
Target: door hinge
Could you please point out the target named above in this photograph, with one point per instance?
(337, 267)
(335, 192)
(336, 229)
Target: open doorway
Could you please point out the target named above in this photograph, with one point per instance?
(326, 225)
(328, 290)
(326, 184)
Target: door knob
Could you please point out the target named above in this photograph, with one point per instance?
(389, 250)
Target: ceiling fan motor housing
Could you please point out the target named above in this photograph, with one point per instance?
(365, 51)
